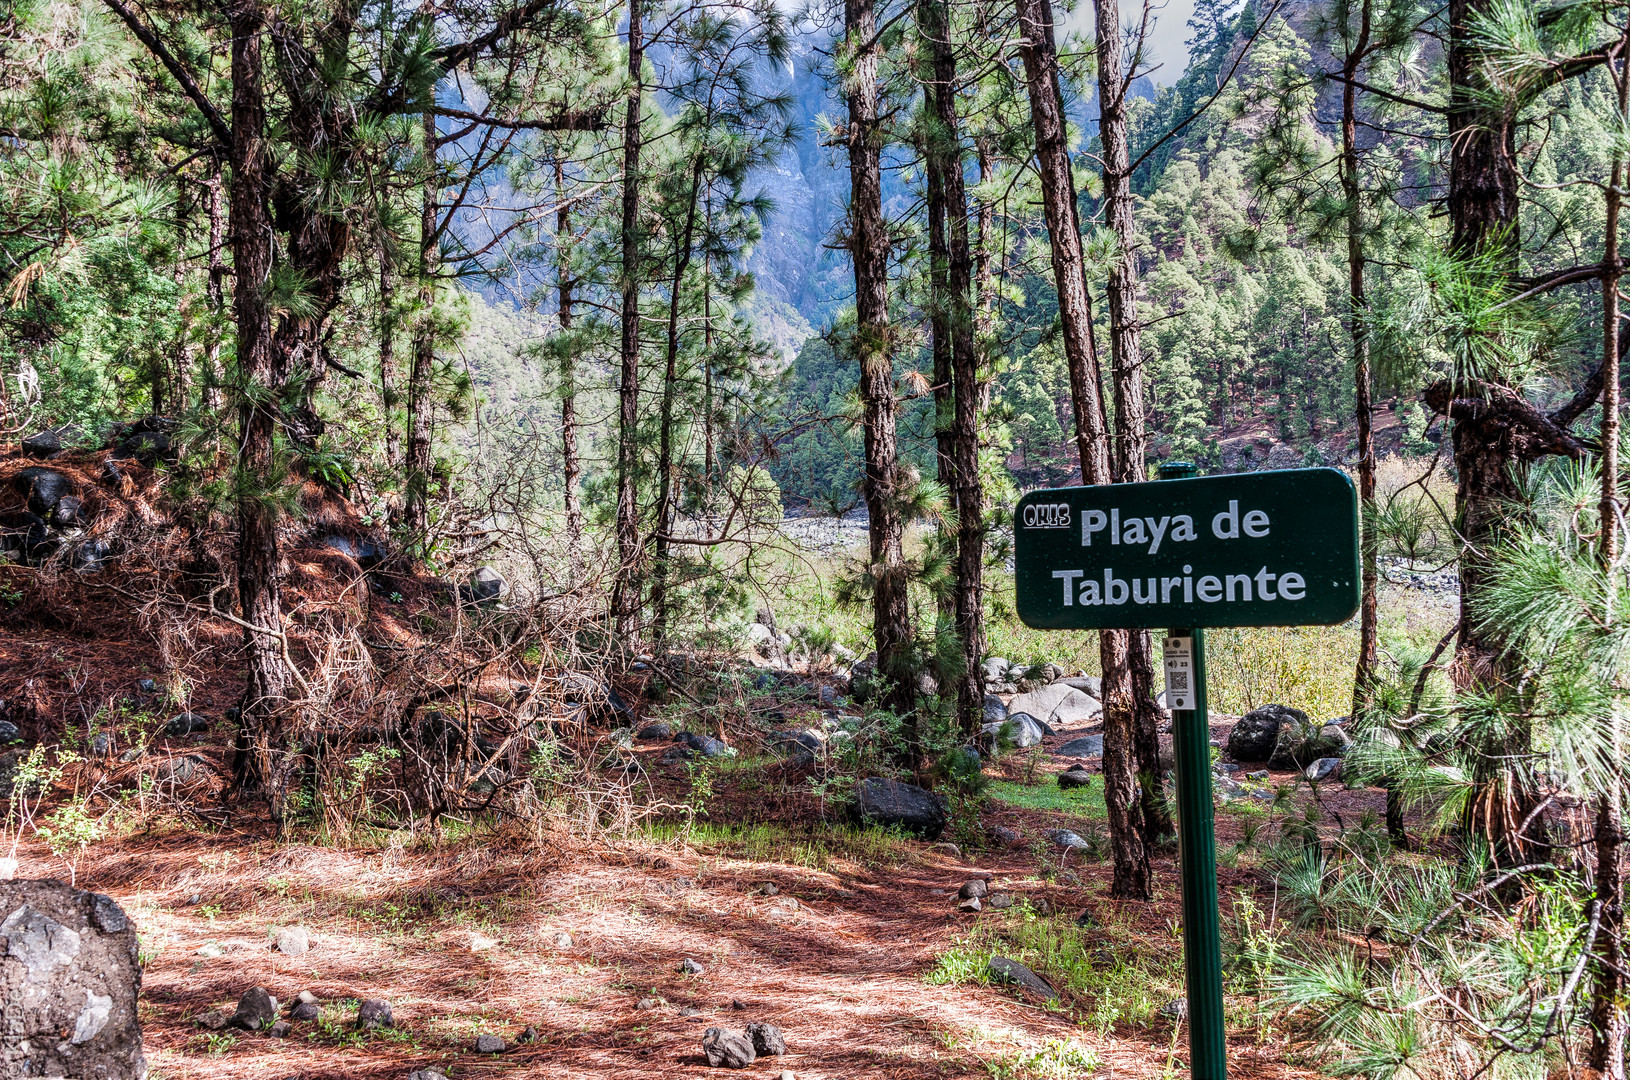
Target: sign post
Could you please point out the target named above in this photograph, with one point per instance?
(1182, 554)
(1185, 655)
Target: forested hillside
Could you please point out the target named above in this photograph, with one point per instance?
(521, 522)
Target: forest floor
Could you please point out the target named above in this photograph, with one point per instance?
(852, 954)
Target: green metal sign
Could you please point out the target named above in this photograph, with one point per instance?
(1250, 549)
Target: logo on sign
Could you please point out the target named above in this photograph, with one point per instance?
(1047, 516)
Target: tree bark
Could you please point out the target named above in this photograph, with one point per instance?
(388, 390)
(1608, 1021)
(1129, 686)
(869, 251)
(670, 389)
(955, 308)
(1357, 306)
(625, 599)
(1122, 792)
(1064, 234)
(571, 466)
(261, 368)
(211, 393)
(417, 517)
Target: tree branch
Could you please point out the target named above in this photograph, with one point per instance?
(189, 86)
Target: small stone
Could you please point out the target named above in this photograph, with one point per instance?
(973, 889)
(687, 1012)
(257, 1010)
(374, 1013)
(530, 1035)
(306, 997)
(1324, 770)
(950, 849)
(645, 1004)
(185, 724)
(691, 967)
(213, 1020)
(736, 1004)
(304, 1012)
(562, 941)
(1260, 774)
(1085, 919)
(147, 686)
(999, 901)
(728, 1049)
(767, 1040)
(766, 888)
(280, 1029)
(1003, 970)
(1067, 840)
(1175, 1009)
(786, 1074)
(426, 1074)
(209, 950)
(490, 1044)
(970, 904)
(1074, 778)
(293, 941)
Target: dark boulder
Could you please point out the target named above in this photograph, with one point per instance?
(767, 1040)
(42, 444)
(1075, 778)
(1256, 734)
(257, 1010)
(42, 488)
(799, 747)
(71, 975)
(892, 804)
(487, 585)
(186, 723)
(659, 730)
(703, 744)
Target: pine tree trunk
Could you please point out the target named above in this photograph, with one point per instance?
(985, 277)
(670, 389)
(939, 257)
(570, 466)
(1131, 686)
(626, 599)
(1482, 202)
(1064, 233)
(1122, 792)
(1608, 1019)
(1357, 306)
(387, 363)
(955, 308)
(259, 560)
(181, 392)
(869, 250)
(417, 517)
(211, 396)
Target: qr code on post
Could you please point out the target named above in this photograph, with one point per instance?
(1177, 680)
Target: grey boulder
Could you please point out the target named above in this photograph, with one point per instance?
(1324, 771)
(70, 975)
(893, 804)
(1290, 748)
(1020, 727)
(703, 744)
(995, 709)
(1059, 705)
(293, 941)
(728, 1049)
(973, 889)
(1088, 746)
(490, 1044)
(1013, 973)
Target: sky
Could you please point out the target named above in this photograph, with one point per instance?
(1165, 40)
